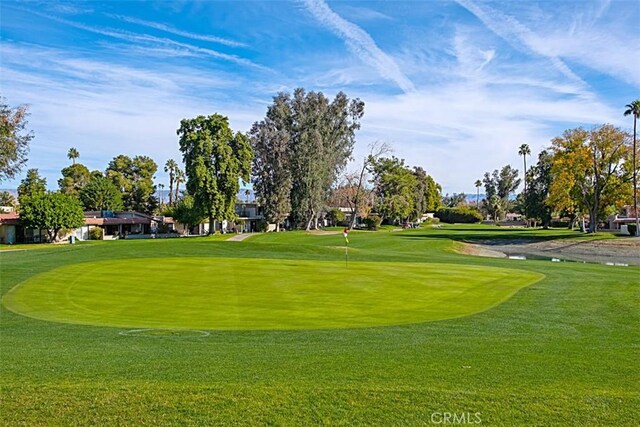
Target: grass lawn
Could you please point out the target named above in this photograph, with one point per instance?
(291, 336)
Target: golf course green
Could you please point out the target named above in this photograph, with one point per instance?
(276, 330)
(231, 293)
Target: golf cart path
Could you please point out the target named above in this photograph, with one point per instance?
(239, 237)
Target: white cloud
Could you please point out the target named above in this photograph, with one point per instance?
(360, 43)
(518, 35)
(177, 32)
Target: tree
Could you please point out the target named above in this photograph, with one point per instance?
(180, 177)
(455, 200)
(634, 109)
(74, 177)
(322, 136)
(171, 167)
(134, 178)
(478, 184)
(535, 200)
(215, 160)
(32, 185)
(524, 151)
(7, 199)
(271, 141)
(14, 140)
(100, 194)
(302, 144)
(394, 187)
(160, 193)
(348, 194)
(73, 154)
(336, 216)
(52, 212)
(185, 212)
(500, 184)
(376, 150)
(587, 170)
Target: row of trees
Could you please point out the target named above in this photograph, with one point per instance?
(584, 173)
(297, 153)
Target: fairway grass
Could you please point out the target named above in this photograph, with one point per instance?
(231, 293)
(562, 351)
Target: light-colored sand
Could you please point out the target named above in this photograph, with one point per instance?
(239, 237)
(477, 250)
(620, 250)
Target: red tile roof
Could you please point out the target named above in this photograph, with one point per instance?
(12, 218)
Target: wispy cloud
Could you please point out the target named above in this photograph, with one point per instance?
(146, 38)
(104, 108)
(177, 32)
(518, 35)
(360, 43)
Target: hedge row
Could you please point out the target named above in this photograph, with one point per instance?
(460, 215)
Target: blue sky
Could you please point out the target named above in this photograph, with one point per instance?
(452, 86)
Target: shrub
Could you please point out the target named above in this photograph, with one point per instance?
(263, 226)
(95, 233)
(461, 215)
(558, 223)
(336, 216)
(373, 222)
(632, 229)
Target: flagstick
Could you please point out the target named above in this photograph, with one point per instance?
(346, 255)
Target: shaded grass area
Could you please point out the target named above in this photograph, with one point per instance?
(562, 351)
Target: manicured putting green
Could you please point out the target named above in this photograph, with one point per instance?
(249, 293)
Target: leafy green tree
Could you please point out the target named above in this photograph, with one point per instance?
(428, 193)
(52, 212)
(134, 178)
(101, 194)
(588, 173)
(215, 161)
(7, 199)
(32, 185)
(336, 216)
(271, 175)
(305, 141)
(14, 140)
(455, 200)
(394, 186)
(500, 184)
(74, 177)
(633, 109)
(186, 212)
(73, 154)
(322, 136)
(535, 199)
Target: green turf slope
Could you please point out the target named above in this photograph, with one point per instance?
(232, 293)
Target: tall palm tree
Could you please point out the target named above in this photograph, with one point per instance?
(180, 177)
(524, 151)
(170, 167)
(73, 154)
(161, 187)
(478, 184)
(634, 109)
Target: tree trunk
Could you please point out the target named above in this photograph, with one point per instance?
(170, 190)
(175, 198)
(211, 225)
